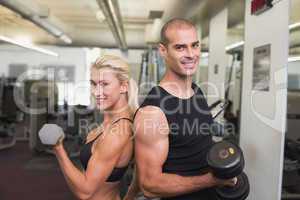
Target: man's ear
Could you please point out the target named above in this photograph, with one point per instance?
(162, 49)
(124, 87)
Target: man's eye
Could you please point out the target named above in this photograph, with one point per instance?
(196, 45)
(179, 47)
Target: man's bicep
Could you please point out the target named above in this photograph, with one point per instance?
(151, 142)
(152, 155)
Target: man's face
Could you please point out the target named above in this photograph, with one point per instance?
(182, 52)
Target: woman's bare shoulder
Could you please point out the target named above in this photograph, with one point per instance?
(116, 136)
(122, 127)
(93, 134)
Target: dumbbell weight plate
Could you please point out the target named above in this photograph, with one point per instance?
(50, 134)
(225, 159)
(233, 172)
(239, 192)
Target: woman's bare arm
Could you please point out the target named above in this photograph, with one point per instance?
(101, 163)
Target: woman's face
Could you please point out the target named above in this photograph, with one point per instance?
(106, 88)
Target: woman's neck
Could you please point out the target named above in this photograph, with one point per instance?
(120, 109)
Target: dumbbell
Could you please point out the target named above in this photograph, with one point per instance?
(50, 134)
(226, 161)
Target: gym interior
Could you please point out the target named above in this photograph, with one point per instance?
(250, 51)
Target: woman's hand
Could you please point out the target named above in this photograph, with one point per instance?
(59, 143)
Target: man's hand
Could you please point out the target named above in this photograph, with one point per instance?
(222, 182)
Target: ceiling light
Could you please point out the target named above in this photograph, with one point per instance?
(294, 26)
(28, 46)
(235, 45)
(65, 38)
(23, 40)
(43, 22)
(294, 59)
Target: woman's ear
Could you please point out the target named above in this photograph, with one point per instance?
(124, 87)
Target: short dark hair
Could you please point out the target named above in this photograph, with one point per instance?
(176, 22)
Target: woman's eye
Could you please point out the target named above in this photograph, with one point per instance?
(92, 83)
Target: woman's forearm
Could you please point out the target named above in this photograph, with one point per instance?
(74, 177)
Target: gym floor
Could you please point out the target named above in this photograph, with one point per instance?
(24, 175)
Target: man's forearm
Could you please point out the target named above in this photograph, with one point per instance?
(169, 185)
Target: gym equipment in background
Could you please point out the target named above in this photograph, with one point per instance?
(8, 114)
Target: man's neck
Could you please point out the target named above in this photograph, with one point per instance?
(179, 86)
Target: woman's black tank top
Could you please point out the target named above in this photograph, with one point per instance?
(189, 137)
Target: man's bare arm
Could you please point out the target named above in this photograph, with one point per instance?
(151, 150)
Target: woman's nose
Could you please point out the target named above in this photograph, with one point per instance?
(98, 90)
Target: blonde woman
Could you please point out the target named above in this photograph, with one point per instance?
(109, 148)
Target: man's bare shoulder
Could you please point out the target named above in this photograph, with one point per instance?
(149, 112)
(151, 124)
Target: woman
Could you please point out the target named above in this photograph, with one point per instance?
(108, 149)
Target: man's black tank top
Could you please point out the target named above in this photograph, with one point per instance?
(189, 137)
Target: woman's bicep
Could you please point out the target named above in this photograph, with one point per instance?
(105, 157)
(99, 168)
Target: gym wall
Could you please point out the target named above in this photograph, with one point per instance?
(263, 117)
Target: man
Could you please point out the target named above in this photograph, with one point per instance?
(172, 124)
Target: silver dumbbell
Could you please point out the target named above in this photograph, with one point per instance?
(50, 134)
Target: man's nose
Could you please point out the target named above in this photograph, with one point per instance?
(190, 52)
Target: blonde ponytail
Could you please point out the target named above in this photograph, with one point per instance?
(132, 95)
